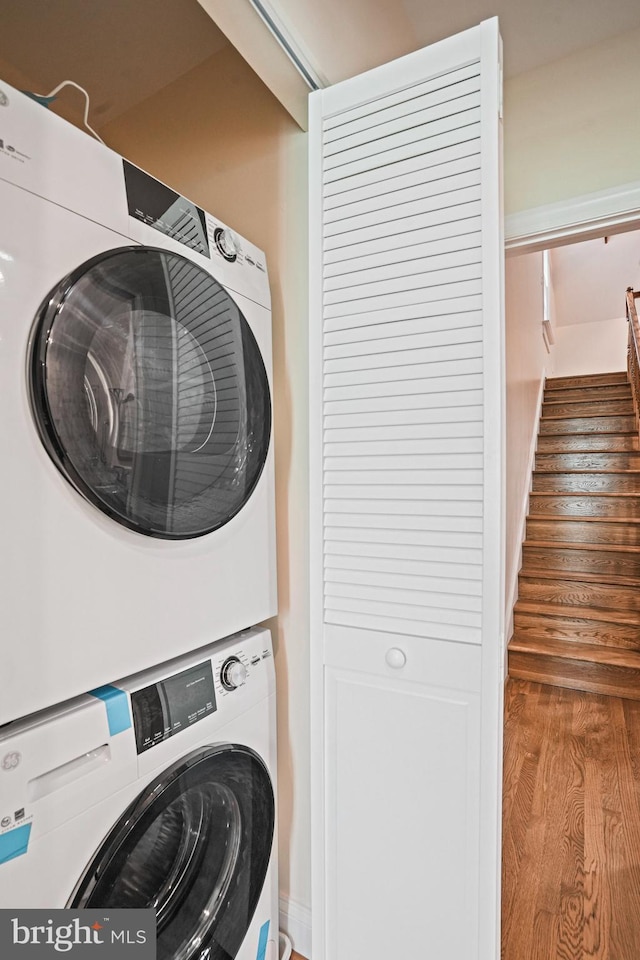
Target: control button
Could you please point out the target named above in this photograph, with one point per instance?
(233, 673)
(227, 243)
(395, 658)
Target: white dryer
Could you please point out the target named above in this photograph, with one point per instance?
(137, 491)
(156, 792)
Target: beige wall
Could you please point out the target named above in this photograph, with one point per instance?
(219, 137)
(573, 126)
(527, 363)
(597, 347)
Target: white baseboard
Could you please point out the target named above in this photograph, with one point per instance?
(582, 217)
(524, 512)
(295, 921)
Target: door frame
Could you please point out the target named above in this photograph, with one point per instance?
(585, 217)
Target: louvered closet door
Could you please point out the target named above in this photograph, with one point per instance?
(406, 385)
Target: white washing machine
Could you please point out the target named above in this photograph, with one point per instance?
(156, 792)
(137, 491)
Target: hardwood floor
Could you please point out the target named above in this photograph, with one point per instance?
(577, 619)
(571, 820)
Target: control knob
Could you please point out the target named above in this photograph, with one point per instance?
(233, 673)
(227, 243)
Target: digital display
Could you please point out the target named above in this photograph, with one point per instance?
(166, 708)
(159, 207)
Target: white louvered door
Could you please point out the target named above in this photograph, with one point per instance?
(406, 382)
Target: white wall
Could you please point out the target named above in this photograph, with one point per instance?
(596, 347)
(220, 137)
(527, 362)
(590, 278)
(572, 127)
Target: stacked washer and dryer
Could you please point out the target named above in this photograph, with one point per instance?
(137, 700)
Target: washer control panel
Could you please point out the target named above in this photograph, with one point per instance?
(163, 709)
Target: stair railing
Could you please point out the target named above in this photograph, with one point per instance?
(633, 350)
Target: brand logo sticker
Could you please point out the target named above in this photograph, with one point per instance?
(11, 760)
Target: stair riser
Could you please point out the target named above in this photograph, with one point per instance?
(603, 563)
(576, 674)
(617, 408)
(591, 380)
(578, 425)
(585, 506)
(559, 462)
(574, 531)
(596, 632)
(605, 442)
(596, 394)
(574, 593)
(586, 483)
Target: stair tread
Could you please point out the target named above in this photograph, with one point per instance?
(580, 576)
(565, 611)
(564, 592)
(574, 470)
(579, 545)
(576, 518)
(619, 375)
(591, 652)
(582, 493)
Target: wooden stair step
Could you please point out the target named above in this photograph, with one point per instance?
(568, 443)
(591, 462)
(577, 593)
(542, 572)
(591, 531)
(609, 391)
(580, 666)
(578, 425)
(586, 408)
(591, 547)
(621, 564)
(572, 625)
(622, 521)
(593, 379)
(576, 482)
(601, 505)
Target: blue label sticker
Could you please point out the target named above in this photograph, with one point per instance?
(118, 716)
(14, 843)
(263, 940)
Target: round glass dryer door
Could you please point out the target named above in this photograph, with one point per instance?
(150, 393)
(195, 846)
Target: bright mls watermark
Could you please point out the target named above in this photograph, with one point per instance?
(92, 934)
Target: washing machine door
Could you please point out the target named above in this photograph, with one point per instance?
(195, 845)
(150, 393)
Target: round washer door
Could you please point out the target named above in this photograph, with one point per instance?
(195, 845)
(150, 393)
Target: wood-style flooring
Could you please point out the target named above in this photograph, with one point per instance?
(571, 819)
(577, 619)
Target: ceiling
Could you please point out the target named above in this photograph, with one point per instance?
(345, 37)
(123, 51)
(120, 51)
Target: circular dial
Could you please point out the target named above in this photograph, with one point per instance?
(233, 673)
(227, 243)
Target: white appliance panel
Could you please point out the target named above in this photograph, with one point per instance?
(69, 822)
(86, 600)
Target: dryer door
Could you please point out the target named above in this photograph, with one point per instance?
(195, 845)
(150, 393)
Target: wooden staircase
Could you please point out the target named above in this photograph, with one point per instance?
(577, 619)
